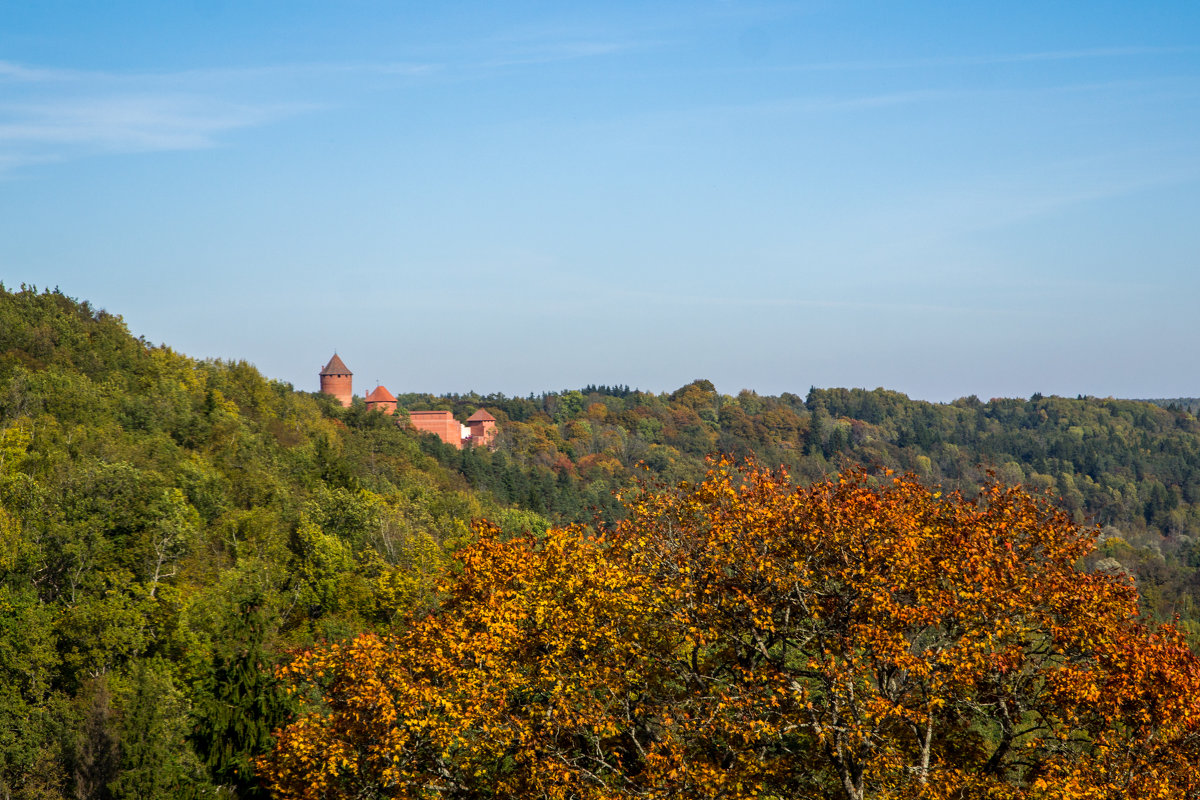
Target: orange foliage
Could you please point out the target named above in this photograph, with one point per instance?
(524, 682)
(750, 638)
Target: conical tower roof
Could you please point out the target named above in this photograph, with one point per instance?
(336, 367)
(481, 416)
(380, 395)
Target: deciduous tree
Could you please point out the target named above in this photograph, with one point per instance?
(859, 638)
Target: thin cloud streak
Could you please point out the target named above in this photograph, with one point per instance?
(512, 55)
(132, 123)
(66, 114)
(10, 71)
(957, 215)
(675, 299)
(78, 112)
(829, 104)
(21, 73)
(563, 51)
(988, 60)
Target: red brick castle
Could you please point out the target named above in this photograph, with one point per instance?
(337, 381)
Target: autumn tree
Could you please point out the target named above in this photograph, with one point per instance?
(858, 638)
(528, 684)
(894, 642)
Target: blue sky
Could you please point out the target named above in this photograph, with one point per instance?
(940, 198)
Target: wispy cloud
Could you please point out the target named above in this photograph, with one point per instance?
(726, 302)
(540, 44)
(129, 123)
(10, 72)
(49, 115)
(559, 51)
(13, 73)
(301, 71)
(990, 60)
(1161, 89)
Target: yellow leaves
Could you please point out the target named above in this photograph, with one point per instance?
(728, 638)
(15, 439)
(501, 663)
(11, 541)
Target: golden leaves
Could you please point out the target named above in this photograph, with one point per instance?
(746, 637)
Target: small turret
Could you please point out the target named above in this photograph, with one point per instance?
(482, 427)
(380, 399)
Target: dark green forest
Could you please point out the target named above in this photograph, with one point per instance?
(170, 529)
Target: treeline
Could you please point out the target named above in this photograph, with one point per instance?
(1188, 404)
(1132, 466)
(1118, 462)
(170, 529)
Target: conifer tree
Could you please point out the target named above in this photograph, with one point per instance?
(243, 704)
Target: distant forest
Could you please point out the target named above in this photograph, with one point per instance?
(170, 529)
(1188, 404)
(1132, 466)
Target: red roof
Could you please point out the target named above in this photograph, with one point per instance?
(380, 395)
(481, 416)
(336, 367)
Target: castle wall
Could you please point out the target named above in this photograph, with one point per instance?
(482, 432)
(442, 423)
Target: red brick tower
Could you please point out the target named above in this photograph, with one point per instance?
(336, 380)
(483, 428)
(380, 399)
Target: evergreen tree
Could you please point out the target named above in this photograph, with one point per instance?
(242, 705)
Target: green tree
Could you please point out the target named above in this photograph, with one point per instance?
(241, 704)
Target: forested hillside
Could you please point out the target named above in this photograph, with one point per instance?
(171, 529)
(1131, 466)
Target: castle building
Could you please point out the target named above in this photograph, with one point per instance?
(480, 430)
(380, 399)
(337, 380)
(443, 423)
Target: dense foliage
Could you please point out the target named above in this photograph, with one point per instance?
(749, 638)
(1132, 466)
(168, 529)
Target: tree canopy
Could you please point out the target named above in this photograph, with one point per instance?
(168, 528)
(747, 637)
(1132, 466)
